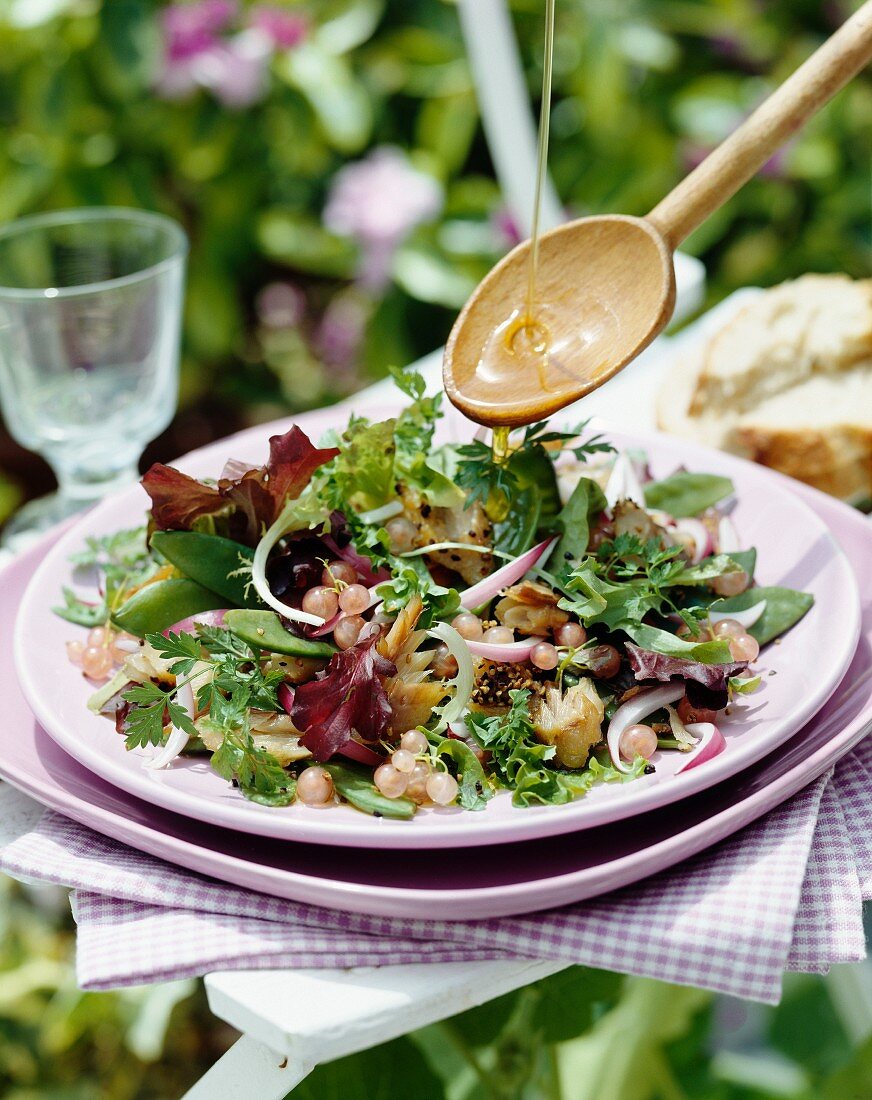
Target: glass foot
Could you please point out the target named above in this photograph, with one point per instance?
(37, 517)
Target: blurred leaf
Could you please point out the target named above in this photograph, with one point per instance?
(212, 314)
(339, 101)
(854, 1080)
(387, 1072)
(480, 1026)
(429, 276)
(348, 24)
(806, 1027)
(303, 243)
(132, 42)
(446, 127)
(10, 498)
(571, 1000)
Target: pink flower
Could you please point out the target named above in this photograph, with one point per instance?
(378, 201)
(342, 329)
(281, 305)
(200, 53)
(191, 29)
(507, 230)
(284, 29)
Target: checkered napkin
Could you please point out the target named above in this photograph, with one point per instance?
(784, 894)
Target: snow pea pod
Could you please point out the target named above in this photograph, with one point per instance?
(163, 603)
(355, 785)
(264, 630)
(211, 561)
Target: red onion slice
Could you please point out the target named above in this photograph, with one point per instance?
(711, 743)
(360, 562)
(634, 710)
(189, 625)
(285, 696)
(512, 571)
(746, 618)
(363, 755)
(507, 653)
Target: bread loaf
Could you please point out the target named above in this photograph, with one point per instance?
(787, 383)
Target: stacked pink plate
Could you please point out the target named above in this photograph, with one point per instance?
(815, 705)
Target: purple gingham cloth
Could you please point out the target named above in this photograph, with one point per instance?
(785, 893)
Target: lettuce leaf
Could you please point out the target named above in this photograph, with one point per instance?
(361, 476)
(241, 507)
(574, 520)
(649, 665)
(784, 608)
(347, 697)
(686, 494)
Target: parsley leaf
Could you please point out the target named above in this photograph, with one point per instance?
(485, 478)
(146, 718)
(184, 650)
(260, 776)
(516, 753)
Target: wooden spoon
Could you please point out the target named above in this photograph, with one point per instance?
(605, 285)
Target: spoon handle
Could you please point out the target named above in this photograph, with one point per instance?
(748, 148)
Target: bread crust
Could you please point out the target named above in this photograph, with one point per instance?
(811, 415)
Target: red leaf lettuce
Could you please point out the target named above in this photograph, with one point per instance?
(347, 697)
(238, 507)
(657, 666)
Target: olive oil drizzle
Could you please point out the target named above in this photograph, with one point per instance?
(526, 324)
(541, 160)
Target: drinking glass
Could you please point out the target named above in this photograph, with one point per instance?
(90, 312)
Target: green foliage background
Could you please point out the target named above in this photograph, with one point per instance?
(642, 89)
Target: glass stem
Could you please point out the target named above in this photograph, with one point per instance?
(82, 484)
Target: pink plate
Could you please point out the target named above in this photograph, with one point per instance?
(453, 885)
(794, 548)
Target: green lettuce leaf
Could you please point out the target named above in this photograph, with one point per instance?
(687, 494)
(784, 608)
(574, 521)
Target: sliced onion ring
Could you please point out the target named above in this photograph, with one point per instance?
(379, 515)
(507, 574)
(702, 540)
(177, 738)
(189, 625)
(452, 710)
(505, 654)
(745, 618)
(711, 743)
(624, 483)
(634, 710)
(728, 536)
(361, 753)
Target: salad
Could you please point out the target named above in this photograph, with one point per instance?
(386, 622)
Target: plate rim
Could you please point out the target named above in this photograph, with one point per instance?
(427, 834)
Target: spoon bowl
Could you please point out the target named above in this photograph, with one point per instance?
(606, 288)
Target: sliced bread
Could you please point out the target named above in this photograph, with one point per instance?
(817, 323)
(799, 398)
